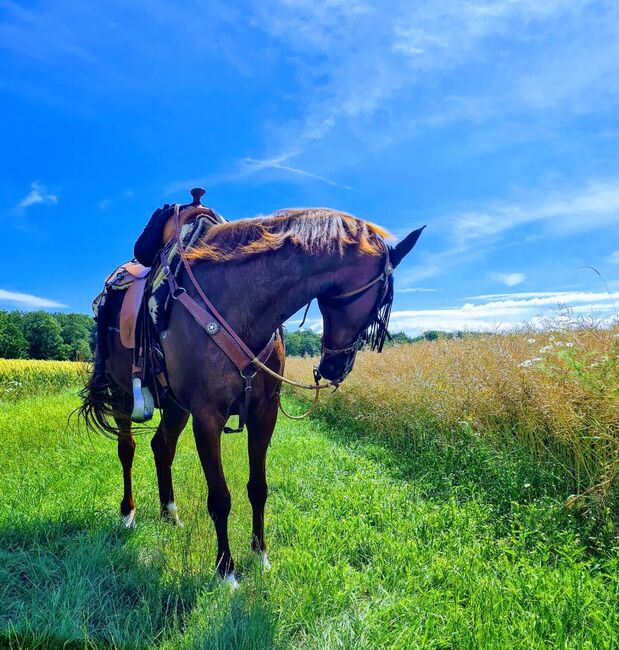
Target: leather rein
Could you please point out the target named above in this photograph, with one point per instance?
(224, 336)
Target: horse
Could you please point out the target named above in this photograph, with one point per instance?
(259, 272)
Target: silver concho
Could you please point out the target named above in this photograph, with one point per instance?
(389, 269)
(213, 328)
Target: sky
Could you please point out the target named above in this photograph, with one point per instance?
(494, 123)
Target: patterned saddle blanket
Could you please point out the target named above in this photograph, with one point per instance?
(156, 286)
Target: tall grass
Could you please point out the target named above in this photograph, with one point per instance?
(555, 392)
(21, 378)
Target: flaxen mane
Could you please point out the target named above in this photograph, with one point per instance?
(314, 230)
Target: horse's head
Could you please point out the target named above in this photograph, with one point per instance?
(357, 311)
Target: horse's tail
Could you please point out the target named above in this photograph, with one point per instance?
(101, 402)
(98, 404)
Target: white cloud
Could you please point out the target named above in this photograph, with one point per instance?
(415, 290)
(27, 300)
(613, 258)
(509, 279)
(503, 313)
(38, 194)
(500, 312)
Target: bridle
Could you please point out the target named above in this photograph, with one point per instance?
(385, 296)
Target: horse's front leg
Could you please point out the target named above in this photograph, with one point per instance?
(260, 426)
(163, 444)
(207, 432)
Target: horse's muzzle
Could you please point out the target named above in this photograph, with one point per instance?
(335, 367)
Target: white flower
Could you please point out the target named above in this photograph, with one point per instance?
(529, 362)
(530, 340)
(569, 345)
(546, 348)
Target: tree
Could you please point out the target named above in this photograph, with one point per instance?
(43, 334)
(76, 333)
(397, 338)
(13, 344)
(302, 343)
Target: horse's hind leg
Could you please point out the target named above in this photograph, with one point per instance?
(163, 444)
(260, 426)
(126, 451)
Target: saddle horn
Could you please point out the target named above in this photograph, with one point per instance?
(196, 194)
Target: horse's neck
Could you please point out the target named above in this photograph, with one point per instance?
(258, 295)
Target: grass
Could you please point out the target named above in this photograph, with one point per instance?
(557, 394)
(438, 546)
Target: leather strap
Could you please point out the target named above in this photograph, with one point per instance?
(208, 317)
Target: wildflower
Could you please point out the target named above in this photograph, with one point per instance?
(546, 348)
(529, 362)
(530, 340)
(569, 345)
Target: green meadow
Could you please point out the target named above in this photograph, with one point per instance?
(372, 545)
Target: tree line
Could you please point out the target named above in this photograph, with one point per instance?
(45, 335)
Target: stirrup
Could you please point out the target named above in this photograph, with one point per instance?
(143, 402)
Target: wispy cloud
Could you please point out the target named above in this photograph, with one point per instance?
(27, 300)
(247, 167)
(559, 212)
(594, 205)
(38, 194)
(509, 279)
(259, 165)
(415, 290)
(370, 60)
(613, 258)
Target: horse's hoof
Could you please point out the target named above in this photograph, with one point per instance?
(170, 513)
(231, 581)
(129, 520)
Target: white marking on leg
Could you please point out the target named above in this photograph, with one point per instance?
(264, 559)
(129, 520)
(172, 513)
(231, 581)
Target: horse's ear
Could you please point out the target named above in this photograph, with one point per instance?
(403, 248)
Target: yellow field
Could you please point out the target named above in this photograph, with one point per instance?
(25, 377)
(556, 392)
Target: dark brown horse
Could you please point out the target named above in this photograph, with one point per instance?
(258, 272)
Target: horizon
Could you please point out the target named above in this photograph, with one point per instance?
(494, 123)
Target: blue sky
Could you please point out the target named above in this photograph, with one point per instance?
(495, 123)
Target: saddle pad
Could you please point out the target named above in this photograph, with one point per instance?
(159, 294)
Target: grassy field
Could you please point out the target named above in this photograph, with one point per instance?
(459, 545)
(556, 394)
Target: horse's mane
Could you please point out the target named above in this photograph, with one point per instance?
(314, 230)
